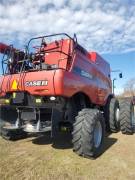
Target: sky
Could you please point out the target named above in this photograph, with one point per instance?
(107, 27)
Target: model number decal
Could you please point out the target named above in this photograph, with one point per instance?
(83, 73)
(86, 74)
(36, 83)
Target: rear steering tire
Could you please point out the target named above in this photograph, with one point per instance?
(112, 111)
(127, 116)
(88, 133)
(114, 115)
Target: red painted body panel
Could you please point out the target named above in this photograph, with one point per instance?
(7, 81)
(4, 47)
(89, 74)
(58, 58)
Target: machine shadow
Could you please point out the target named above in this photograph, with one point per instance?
(109, 141)
(64, 141)
(42, 139)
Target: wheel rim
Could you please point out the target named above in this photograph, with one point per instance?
(117, 114)
(97, 134)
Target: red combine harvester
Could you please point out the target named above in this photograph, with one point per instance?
(58, 85)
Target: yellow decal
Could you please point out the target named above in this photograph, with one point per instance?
(14, 85)
(14, 95)
(38, 101)
(7, 101)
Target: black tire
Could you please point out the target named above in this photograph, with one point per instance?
(71, 111)
(112, 120)
(126, 116)
(2, 110)
(13, 135)
(84, 131)
(0, 131)
(10, 134)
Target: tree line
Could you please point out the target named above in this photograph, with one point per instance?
(129, 88)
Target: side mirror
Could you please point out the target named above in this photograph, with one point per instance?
(120, 75)
(75, 38)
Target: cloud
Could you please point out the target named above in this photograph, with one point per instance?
(104, 26)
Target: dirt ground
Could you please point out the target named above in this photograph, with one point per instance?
(36, 158)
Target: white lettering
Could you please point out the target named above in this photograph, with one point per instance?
(36, 83)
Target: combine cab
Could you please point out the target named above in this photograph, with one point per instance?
(56, 85)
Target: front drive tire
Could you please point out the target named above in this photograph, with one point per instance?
(88, 133)
(127, 116)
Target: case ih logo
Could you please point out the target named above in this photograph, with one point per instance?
(36, 83)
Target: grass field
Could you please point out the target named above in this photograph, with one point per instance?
(36, 158)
